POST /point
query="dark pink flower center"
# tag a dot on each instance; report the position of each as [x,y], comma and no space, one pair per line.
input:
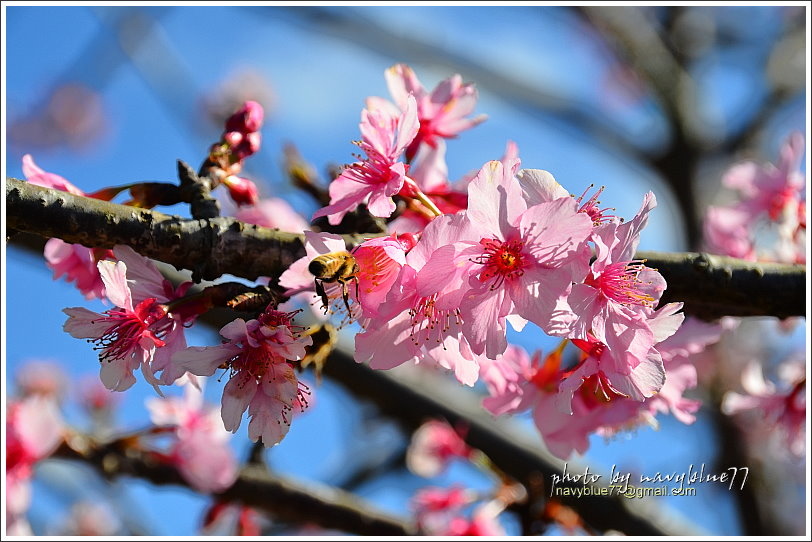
[619,282]
[128,328]
[502,260]
[375,267]
[547,376]
[596,390]
[779,201]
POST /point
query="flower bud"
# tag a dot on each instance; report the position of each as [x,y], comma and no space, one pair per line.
[247,119]
[241,190]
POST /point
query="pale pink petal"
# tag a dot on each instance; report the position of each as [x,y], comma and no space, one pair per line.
[628,233]
[402,82]
[204,360]
[39,425]
[236,330]
[539,186]
[483,324]
[495,198]
[117,374]
[270,411]
[143,277]
[114,276]
[84,324]
[345,194]
[388,346]
[540,296]
[666,321]
[380,204]
[376,103]
[36,175]
[559,227]
[644,381]
[237,395]
[407,127]
[430,171]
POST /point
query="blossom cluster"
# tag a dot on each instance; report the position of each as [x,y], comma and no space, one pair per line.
[770,204]
[503,245]
[506,245]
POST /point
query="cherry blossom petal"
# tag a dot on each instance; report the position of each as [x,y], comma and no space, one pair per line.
[539,186]
[238,393]
[114,276]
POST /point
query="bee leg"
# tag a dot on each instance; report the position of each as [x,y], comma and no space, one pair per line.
[320,292]
[345,294]
[357,296]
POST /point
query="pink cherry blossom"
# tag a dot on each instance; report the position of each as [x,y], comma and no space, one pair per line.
[34,429]
[442,113]
[726,231]
[419,320]
[141,331]
[379,261]
[433,446]
[771,198]
[379,177]
[200,447]
[614,300]
[517,382]
[258,356]
[147,282]
[124,335]
[784,410]
[514,259]
[769,189]
[433,507]
[625,375]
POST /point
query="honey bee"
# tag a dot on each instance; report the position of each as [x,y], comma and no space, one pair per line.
[334,267]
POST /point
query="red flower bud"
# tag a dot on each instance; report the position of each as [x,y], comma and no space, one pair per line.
[247,119]
[241,190]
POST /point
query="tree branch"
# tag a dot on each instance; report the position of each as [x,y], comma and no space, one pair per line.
[209,247]
[285,499]
[710,286]
[412,395]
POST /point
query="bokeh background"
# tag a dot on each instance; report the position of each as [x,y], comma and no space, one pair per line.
[654,98]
